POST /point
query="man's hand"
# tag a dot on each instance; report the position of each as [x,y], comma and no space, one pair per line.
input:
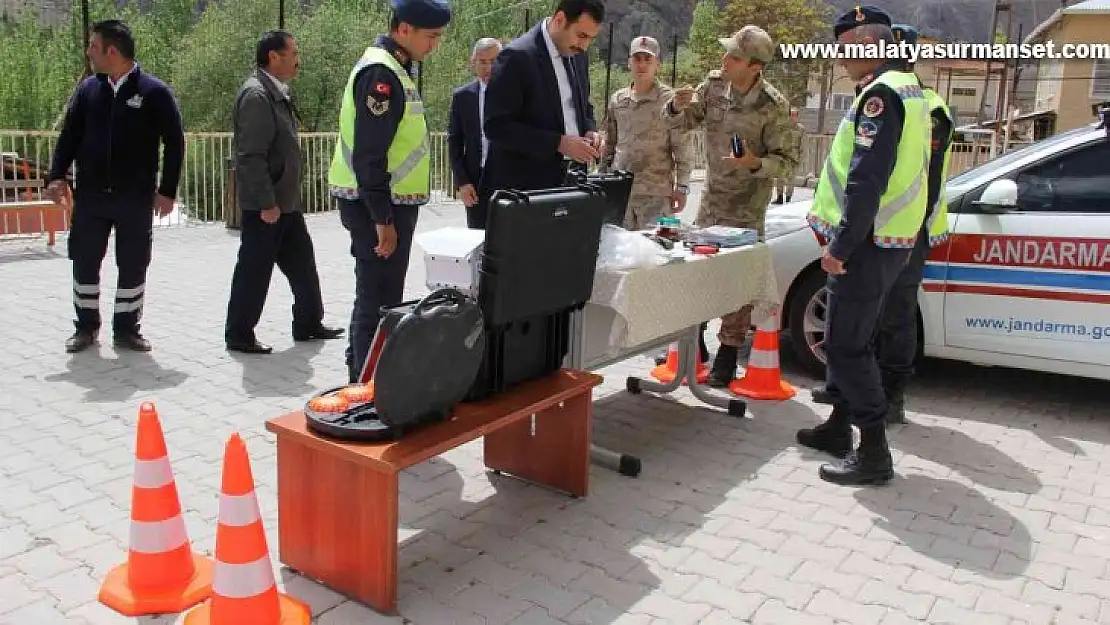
[163,205]
[578,149]
[748,161]
[683,96]
[595,140]
[57,191]
[678,201]
[469,195]
[387,240]
[831,265]
[271,215]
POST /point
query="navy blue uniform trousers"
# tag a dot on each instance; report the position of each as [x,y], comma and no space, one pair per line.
[95,215]
[855,305]
[378,281]
[288,245]
[897,346]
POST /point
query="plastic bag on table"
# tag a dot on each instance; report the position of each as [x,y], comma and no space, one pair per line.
[621,249]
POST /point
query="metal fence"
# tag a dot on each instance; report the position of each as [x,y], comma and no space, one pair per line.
[209,194]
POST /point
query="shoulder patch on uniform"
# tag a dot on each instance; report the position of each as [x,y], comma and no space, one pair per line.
[377,107]
[862,141]
[873,107]
[382,88]
[868,128]
[714,74]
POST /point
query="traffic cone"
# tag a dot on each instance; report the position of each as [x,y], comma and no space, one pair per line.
[244,591]
[162,573]
[762,377]
[666,372]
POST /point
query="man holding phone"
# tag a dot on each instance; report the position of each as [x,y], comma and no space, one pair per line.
[750,141]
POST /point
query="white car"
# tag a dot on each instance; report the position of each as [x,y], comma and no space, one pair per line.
[1024,280]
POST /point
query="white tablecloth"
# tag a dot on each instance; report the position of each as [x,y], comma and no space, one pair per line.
[652,302]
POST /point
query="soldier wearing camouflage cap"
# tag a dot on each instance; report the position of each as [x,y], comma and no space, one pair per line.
[639,140]
[736,100]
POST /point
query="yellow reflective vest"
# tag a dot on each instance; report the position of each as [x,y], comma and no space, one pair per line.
[938,220]
[902,206]
[408,160]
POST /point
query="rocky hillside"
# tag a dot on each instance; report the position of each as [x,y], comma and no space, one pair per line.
[958,20]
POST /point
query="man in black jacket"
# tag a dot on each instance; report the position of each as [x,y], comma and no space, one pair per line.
[115,122]
[268,183]
[539,119]
[466,136]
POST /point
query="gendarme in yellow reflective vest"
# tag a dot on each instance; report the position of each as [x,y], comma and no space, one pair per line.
[408,159]
[938,221]
[902,206]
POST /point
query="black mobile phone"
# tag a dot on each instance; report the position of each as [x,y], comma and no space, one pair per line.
[737,146]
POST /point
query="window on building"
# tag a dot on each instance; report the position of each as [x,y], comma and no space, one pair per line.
[964,91]
[840,101]
[1100,79]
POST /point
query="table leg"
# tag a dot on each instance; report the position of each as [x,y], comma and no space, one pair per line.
[687,368]
[550,448]
[337,523]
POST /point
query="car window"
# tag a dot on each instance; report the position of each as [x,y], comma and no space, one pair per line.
[1076,182]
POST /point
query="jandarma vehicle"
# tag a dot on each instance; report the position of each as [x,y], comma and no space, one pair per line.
[1024,279]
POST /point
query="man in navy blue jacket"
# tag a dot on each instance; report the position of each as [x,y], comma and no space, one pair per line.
[115,122]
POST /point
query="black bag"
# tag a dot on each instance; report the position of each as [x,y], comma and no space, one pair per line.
[615,186]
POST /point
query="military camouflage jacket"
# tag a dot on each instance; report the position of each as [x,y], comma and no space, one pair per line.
[761,118]
[639,138]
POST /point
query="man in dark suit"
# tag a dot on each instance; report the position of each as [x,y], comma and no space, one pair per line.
[466,137]
[268,185]
[539,119]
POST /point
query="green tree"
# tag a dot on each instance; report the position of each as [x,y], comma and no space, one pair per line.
[705,29]
[787,21]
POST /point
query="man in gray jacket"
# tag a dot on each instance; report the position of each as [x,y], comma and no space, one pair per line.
[268,184]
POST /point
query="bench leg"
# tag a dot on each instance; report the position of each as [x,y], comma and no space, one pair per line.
[552,448]
[337,524]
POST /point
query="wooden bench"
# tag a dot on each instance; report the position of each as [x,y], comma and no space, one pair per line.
[29,216]
[338,501]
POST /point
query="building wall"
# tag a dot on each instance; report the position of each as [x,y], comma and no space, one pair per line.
[1068,86]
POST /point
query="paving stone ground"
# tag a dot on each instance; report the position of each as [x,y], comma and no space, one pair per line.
[1000,512]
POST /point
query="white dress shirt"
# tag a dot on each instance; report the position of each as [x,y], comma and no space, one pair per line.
[566,94]
[284,88]
[482,119]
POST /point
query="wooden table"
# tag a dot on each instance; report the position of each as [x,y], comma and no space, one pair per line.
[337,501]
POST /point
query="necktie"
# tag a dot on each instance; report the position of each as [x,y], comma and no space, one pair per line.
[576,93]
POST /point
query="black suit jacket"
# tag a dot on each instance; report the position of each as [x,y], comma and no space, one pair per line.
[464,135]
[524,115]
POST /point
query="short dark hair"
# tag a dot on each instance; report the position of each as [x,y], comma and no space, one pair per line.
[116,34]
[271,41]
[574,9]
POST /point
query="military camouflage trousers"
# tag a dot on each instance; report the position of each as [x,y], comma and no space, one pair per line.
[718,212]
[784,187]
[645,210]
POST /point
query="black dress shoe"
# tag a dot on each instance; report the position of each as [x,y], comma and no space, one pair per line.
[132,341]
[249,347]
[821,395]
[320,333]
[79,342]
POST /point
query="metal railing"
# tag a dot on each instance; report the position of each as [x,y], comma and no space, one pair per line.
[206,192]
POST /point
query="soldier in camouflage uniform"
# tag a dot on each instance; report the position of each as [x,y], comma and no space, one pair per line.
[784,187]
[737,100]
[640,140]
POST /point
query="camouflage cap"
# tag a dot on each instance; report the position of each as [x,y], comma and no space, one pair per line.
[644,44]
[750,42]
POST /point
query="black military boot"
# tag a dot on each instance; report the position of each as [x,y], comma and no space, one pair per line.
[895,390]
[724,367]
[832,437]
[80,341]
[871,464]
[821,395]
[778,200]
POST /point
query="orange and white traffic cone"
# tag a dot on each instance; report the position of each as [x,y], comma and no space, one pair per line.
[162,573]
[762,377]
[244,591]
[667,371]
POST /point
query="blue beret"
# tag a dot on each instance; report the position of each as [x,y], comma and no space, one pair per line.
[860,15]
[422,13]
[905,32]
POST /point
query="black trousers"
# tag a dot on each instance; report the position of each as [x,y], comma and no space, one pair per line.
[477,215]
[94,217]
[855,304]
[898,328]
[379,282]
[288,245]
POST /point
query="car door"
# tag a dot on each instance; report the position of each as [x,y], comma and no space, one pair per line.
[1034,280]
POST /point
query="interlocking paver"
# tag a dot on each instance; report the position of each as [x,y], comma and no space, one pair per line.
[1000,513]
